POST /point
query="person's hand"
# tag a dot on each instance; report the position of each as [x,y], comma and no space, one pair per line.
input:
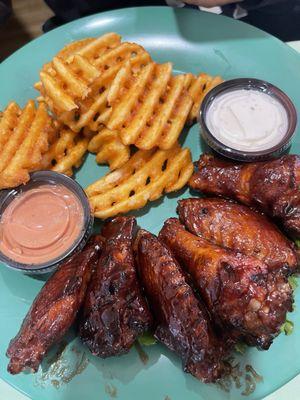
[210,3]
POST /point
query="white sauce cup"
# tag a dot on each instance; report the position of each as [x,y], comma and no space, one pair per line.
[274,150]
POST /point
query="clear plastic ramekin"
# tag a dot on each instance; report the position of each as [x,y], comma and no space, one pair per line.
[248,84]
[50,178]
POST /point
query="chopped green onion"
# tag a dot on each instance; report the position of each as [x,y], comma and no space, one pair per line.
[147,339]
[287,327]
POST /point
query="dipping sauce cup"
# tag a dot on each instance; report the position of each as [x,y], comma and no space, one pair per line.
[43,222]
[247,120]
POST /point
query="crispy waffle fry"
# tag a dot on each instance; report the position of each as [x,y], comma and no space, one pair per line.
[95,111]
[90,48]
[75,84]
[149,108]
[63,84]
[68,76]
[23,141]
[145,177]
[198,87]
[109,149]
[66,152]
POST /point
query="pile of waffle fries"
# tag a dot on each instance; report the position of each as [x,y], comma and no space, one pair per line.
[110,98]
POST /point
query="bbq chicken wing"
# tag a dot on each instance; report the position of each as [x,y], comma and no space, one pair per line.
[239,228]
[238,290]
[53,310]
[114,311]
[271,186]
[183,324]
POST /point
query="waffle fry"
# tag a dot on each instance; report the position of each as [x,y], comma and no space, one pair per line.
[66,152]
[63,84]
[95,110]
[149,108]
[90,48]
[23,140]
[68,76]
[75,84]
[198,87]
[109,149]
[145,177]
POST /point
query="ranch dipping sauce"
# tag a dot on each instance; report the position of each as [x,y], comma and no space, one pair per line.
[40,224]
[247,120]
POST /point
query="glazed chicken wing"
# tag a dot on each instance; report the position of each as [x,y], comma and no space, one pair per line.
[271,186]
[237,227]
[182,322]
[54,309]
[238,290]
[114,311]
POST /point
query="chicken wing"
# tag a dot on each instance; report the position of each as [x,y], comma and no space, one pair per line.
[237,227]
[53,310]
[183,324]
[114,311]
[237,289]
[271,186]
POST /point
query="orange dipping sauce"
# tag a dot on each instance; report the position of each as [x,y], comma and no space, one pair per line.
[41,224]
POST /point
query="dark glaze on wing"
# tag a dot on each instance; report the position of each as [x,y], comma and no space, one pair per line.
[237,227]
[53,310]
[271,186]
[114,311]
[182,322]
[237,289]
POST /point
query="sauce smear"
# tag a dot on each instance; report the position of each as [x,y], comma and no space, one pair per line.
[40,224]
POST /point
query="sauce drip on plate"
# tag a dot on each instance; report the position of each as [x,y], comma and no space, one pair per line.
[40,224]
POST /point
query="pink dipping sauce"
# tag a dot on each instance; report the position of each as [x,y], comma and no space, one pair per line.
[40,224]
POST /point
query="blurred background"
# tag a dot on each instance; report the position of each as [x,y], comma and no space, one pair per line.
[23,25]
[23,20]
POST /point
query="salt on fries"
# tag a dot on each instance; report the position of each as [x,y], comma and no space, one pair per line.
[198,87]
[66,152]
[145,177]
[109,148]
[149,107]
[23,141]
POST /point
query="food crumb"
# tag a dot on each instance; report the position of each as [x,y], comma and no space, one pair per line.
[111,390]
[55,383]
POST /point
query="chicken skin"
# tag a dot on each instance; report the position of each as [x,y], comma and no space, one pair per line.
[182,322]
[239,228]
[114,311]
[53,310]
[237,289]
[271,186]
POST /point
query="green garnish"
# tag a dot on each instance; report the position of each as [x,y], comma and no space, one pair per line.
[293,282]
[240,347]
[147,339]
[287,327]
[297,242]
